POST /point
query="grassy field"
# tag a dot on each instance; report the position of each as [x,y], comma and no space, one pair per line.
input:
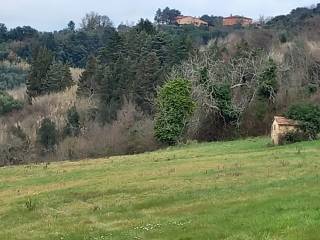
[239,190]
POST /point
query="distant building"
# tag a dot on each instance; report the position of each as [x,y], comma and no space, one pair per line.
[187,20]
[280,127]
[237,20]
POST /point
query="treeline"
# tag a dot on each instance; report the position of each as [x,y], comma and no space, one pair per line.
[296,18]
[74,45]
[131,66]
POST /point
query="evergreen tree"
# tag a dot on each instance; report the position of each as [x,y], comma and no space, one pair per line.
[54,77]
[37,79]
[71,26]
[67,80]
[48,134]
[58,78]
[3,32]
[146,25]
[87,85]
[113,49]
[109,98]
[167,16]
[73,123]
[158,18]
[147,79]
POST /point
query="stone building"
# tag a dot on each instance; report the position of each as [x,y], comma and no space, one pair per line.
[280,127]
[187,20]
[237,20]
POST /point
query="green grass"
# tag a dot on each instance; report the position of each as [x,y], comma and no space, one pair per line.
[239,190]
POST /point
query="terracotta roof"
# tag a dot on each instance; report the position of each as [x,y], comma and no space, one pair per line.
[286,122]
[233,17]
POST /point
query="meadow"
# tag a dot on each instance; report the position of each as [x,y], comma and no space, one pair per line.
[239,190]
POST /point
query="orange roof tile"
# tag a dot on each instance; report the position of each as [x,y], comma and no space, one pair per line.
[286,122]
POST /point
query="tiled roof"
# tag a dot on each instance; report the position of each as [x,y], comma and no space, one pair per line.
[286,122]
[237,17]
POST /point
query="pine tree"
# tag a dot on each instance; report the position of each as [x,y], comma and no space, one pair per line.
[87,84]
[72,127]
[147,78]
[48,135]
[110,92]
[111,52]
[54,76]
[58,78]
[36,81]
[67,80]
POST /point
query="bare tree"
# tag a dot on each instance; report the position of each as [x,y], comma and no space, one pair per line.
[94,21]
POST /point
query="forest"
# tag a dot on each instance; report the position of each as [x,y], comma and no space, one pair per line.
[99,90]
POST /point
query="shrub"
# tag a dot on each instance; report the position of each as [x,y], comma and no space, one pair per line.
[12,75]
[48,134]
[8,103]
[174,106]
[283,37]
[132,132]
[309,116]
[293,137]
[72,128]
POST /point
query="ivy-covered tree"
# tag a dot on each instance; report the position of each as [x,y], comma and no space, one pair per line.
[267,80]
[174,106]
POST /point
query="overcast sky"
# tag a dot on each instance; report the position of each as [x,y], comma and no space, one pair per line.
[47,15]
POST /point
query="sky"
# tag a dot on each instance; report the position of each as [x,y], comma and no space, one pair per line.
[49,15]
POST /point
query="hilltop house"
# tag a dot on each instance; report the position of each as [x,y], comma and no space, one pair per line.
[237,20]
[188,20]
[280,127]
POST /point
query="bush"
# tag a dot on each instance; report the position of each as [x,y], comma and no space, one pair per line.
[309,116]
[174,106]
[48,135]
[72,128]
[131,133]
[12,75]
[293,137]
[8,103]
[283,37]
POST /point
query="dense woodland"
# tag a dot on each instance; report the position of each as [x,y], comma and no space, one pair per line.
[101,90]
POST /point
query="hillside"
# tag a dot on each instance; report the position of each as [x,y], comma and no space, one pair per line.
[232,190]
[93,89]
